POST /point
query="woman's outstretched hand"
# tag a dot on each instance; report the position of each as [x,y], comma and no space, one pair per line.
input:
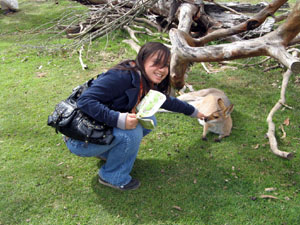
[131,121]
[200,116]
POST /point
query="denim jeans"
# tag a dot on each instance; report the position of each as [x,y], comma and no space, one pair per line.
[120,154]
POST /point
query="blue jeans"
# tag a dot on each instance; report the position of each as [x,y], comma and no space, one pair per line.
[120,154]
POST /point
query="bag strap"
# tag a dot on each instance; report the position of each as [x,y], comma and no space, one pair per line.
[139,96]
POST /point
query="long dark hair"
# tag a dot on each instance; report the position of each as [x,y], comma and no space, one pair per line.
[162,60]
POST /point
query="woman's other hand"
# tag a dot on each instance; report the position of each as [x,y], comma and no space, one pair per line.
[131,121]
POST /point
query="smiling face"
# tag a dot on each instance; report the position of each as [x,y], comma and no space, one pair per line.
[155,69]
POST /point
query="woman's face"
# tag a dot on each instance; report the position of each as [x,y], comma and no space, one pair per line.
[155,73]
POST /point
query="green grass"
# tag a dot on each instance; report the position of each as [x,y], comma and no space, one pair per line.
[212,183]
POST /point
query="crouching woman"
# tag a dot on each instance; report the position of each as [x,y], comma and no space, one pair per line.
[112,99]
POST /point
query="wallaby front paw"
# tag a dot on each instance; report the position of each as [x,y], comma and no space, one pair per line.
[218,140]
[204,138]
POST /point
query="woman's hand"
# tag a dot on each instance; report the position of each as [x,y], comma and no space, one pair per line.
[200,116]
[131,121]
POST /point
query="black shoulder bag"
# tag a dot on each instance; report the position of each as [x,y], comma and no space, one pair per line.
[70,121]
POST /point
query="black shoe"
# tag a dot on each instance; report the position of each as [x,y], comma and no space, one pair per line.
[132,185]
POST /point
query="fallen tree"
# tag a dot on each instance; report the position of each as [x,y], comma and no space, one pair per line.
[105,16]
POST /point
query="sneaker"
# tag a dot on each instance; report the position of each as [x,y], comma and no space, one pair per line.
[132,185]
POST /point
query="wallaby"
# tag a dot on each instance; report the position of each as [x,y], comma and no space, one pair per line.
[216,107]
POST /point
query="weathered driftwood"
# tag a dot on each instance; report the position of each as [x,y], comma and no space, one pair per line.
[83,66]
[132,44]
[212,15]
[271,124]
[106,16]
[102,19]
[247,25]
[273,44]
[239,7]
[179,64]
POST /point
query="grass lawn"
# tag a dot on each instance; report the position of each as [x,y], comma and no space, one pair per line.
[184,179]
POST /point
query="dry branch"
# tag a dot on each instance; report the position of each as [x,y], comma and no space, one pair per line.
[227,8]
[179,65]
[187,11]
[83,66]
[271,130]
[103,19]
[107,16]
[281,17]
[185,49]
[250,24]
[131,33]
[152,24]
[283,132]
[295,41]
[133,45]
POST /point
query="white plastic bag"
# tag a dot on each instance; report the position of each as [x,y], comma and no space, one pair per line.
[9,4]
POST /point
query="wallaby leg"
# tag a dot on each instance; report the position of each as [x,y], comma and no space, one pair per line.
[226,130]
[219,139]
[205,131]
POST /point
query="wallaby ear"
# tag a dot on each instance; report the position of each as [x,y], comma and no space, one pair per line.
[228,110]
[221,104]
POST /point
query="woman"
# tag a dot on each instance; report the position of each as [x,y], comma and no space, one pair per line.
[112,99]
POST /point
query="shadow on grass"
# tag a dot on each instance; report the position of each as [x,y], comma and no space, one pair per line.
[202,180]
[170,190]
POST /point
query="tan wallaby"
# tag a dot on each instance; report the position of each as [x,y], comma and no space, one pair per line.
[216,107]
